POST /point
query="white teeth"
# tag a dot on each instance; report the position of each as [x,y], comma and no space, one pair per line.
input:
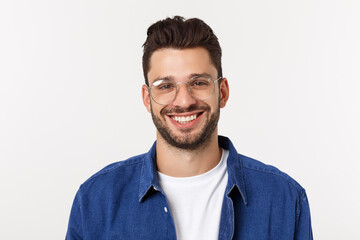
[183,119]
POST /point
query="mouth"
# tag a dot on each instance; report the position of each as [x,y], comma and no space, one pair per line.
[185,119]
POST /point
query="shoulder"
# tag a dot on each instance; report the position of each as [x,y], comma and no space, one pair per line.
[257,172]
[119,166]
[115,174]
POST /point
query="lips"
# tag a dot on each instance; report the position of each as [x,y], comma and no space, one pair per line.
[184,119]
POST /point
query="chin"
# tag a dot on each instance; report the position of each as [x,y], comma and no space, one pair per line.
[186,139]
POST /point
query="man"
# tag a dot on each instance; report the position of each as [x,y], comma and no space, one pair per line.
[192,184]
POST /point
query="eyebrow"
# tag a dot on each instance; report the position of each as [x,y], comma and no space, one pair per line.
[200,75]
[166,78]
[193,75]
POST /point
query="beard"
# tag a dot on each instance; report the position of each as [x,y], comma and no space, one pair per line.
[189,141]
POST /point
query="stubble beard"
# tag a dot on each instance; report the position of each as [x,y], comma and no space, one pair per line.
[189,142]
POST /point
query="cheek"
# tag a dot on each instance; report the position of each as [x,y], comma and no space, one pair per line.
[155,109]
[216,102]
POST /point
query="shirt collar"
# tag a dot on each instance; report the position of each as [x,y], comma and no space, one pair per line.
[235,170]
[149,179]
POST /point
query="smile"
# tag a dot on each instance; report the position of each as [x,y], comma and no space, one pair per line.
[184,119]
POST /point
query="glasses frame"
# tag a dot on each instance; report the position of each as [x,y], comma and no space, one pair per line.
[188,88]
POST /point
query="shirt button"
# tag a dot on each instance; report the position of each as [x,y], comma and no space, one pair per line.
[165,209]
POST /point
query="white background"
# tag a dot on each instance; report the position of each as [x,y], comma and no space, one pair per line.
[70,102]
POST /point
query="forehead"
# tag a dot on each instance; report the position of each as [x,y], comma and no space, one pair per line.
[180,63]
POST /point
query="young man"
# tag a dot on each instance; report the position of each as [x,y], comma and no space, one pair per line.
[192,184]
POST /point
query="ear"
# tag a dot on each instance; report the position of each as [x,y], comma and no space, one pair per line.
[224,92]
[146,97]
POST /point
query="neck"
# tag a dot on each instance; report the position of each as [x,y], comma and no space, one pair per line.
[177,162]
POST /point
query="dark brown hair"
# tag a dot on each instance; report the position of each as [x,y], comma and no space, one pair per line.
[179,33]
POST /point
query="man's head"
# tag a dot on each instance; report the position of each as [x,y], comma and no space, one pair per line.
[179,33]
[177,53]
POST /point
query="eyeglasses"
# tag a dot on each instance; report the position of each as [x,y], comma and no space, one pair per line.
[164,91]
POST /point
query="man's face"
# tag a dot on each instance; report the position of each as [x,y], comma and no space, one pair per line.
[201,117]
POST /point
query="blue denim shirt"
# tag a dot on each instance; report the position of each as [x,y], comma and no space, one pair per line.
[125,201]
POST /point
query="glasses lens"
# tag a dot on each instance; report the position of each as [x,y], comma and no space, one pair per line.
[163,91]
[201,88]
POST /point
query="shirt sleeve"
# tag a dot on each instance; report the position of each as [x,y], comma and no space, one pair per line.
[74,231]
[303,229]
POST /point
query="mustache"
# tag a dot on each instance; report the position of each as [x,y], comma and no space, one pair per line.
[191,108]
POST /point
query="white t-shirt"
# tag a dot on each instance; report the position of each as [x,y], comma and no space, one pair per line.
[196,202]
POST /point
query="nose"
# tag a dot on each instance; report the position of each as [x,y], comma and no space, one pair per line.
[183,97]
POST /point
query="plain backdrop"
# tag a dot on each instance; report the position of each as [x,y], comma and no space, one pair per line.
[70,99]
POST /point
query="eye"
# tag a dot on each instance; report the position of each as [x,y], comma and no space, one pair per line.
[199,83]
[163,85]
